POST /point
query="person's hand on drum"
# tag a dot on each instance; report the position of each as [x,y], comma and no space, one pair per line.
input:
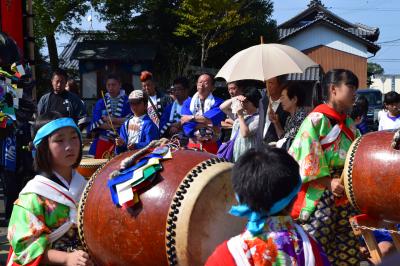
[78,258]
[119,142]
[336,187]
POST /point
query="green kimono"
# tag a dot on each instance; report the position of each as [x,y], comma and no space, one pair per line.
[35,217]
[320,153]
[316,162]
[40,222]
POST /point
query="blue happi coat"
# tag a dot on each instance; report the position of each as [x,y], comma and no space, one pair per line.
[149,132]
[99,110]
[214,114]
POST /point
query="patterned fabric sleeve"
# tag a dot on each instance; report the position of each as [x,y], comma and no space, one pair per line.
[97,114]
[164,121]
[306,148]
[27,231]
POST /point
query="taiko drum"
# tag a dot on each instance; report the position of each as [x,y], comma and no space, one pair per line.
[372,176]
[180,219]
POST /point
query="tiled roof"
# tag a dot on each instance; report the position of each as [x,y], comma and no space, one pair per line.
[320,18]
[66,61]
[318,13]
[113,50]
[313,73]
[65,57]
[366,32]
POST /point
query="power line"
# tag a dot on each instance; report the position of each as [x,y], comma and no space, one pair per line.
[367,9]
[395,40]
[396,60]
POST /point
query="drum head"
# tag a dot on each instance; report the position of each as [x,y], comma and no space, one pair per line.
[202,218]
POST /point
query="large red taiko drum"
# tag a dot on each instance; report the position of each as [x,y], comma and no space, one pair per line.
[180,219]
[372,176]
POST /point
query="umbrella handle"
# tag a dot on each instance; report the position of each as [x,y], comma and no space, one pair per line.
[268,95]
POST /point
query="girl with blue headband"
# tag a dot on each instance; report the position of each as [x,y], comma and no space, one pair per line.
[42,228]
[266,184]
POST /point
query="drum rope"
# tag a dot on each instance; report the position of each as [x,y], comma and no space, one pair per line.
[177,202]
[129,161]
[351,196]
[81,209]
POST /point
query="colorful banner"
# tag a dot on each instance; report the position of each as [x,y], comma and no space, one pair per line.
[12,20]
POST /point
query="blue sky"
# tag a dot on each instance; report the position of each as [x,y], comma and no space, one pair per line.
[383,14]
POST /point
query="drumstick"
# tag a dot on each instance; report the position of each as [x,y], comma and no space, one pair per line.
[109,117]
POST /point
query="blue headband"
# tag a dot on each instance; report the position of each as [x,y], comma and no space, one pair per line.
[52,126]
[256,220]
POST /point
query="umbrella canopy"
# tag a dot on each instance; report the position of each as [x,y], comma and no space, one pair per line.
[264,61]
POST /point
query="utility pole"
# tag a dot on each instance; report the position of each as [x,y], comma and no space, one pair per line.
[31,44]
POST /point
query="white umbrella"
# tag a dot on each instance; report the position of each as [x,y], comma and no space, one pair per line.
[264,61]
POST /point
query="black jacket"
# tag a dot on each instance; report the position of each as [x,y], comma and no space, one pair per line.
[77,109]
[262,109]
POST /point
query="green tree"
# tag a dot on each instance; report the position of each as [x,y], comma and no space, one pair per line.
[157,21]
[246,35]
[373,69]
[153,21]
[53,16]
[210,22]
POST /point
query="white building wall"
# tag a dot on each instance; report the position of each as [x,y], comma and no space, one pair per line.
[323,35]
[89,85]
[384,83]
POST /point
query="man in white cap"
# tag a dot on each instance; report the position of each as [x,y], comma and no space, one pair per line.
[139,130]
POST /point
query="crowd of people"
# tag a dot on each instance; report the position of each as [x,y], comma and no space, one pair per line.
[288,162]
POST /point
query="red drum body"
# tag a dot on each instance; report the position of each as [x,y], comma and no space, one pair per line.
[180,219]
[372,176]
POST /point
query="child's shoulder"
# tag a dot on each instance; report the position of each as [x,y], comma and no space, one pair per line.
[30,201]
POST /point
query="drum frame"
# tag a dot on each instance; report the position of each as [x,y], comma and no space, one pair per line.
[176,243]
[349,163]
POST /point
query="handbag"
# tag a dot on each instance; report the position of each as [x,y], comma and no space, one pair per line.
[225,151]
